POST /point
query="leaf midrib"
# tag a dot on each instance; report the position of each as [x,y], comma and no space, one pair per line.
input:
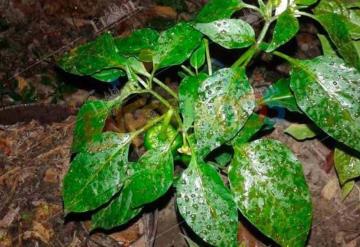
[92,178]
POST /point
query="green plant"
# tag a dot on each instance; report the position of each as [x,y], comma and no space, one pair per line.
[213,109]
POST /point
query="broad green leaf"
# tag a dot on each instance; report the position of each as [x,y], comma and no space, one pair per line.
[354,26]
[207,205]
[271,192]
[225,102]
[328,92]
[117,213]
[188,94]
[229,33]
[347,166]
[350,14]
[131,66]
[253,125]
[347,188]
[218,9]
[197,59]
[153,176]
[109,75]
[339,33]
[98,58]
[286,28]
[301,131]
[326,46]
[139,41]
[96,174]
[280,95]
[305,2]
[343,26]
[90,122]
[175,45]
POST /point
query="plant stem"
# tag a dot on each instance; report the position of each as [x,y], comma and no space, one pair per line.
[249,6]
[263,32]
[187,70]
[286,57]
[160,98]
[168,105]
[151,76]
[166,88]
[208,57]
[142,82]
[162,85]
[246,57]
[148,125]
[307,15]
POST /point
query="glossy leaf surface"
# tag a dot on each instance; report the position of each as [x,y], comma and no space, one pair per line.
[301,131]
[328,91]
[152,176]
[347,166]
[343,26]
[340,35]
[139,40]
[97,174]
[345,9]
[117,213]
[175,45]
[207,205]
[225,102]
[97,58]
[280,208]
[218,9]
[90,122]
[229,33]
[188,94]
[280,95]
[286,28]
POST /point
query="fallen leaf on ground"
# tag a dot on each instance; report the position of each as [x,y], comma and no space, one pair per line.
[40,232]
[330,189]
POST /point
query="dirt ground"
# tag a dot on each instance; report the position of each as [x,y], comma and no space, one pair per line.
[35,139]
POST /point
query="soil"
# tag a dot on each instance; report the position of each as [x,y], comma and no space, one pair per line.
[35,139]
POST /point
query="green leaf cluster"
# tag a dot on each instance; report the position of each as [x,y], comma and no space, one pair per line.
[341,19]
[213,124]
